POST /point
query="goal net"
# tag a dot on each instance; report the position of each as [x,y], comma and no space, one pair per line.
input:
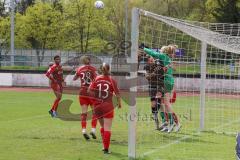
[206,76]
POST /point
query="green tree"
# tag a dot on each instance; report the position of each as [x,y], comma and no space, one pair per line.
[22,6]
[224,11]
[85,27]
[2,8]
[38,29]
[4,36]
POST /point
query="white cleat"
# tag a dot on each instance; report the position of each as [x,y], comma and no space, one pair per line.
[165,129]
[178,127]
[165,124]
[170,128]
[54,113]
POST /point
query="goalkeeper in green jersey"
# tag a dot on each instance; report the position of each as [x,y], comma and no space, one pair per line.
[166,55]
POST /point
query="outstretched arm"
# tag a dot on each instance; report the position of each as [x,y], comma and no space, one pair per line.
[154,54]
[158,55]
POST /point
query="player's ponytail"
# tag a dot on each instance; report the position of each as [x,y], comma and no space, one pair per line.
[172,49]
[165,49]
[105,68]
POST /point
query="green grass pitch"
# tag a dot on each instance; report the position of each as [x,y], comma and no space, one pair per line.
[27,132]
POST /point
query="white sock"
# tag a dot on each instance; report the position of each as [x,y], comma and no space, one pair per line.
[93,130]
[83,130]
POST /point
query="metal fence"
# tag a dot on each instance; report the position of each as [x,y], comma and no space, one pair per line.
[31,58]
[24,57]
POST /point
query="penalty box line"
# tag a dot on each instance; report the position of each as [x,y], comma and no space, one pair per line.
[183,138]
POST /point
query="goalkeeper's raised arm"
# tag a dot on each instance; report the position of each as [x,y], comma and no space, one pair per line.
[158,55]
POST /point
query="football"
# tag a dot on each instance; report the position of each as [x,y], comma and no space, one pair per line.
[99,4]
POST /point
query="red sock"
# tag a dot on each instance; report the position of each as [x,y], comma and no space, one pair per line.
[83,120]
[94,121]
[166,116]
[55,104]
[174,97]
[102,134]
[175,118]
[106,141]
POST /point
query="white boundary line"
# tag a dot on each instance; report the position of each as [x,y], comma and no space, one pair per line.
[226,124]
[27,118]
[183,138]
[165,146]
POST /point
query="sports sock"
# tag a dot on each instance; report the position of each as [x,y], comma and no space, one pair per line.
[175,118]
[170,118]
[166,116]
[55,104]
[93,130]
[174,97]
[83,120]
[94,121]
[163,117]
[107,136]
[84,130]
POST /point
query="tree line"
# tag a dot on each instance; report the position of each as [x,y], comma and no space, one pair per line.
[77,25]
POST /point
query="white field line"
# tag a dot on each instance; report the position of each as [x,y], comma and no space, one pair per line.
[26,118]
[183,138]
[165,146]
[226,124]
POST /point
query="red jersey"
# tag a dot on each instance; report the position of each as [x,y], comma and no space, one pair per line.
[57,73]
[104,87]
[87,74]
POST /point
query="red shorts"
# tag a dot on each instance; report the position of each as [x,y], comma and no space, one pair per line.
[104,110]
[85,101]
[57,87]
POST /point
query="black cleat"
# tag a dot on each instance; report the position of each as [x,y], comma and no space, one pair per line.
[106,151]
[93,135]
[86,136]
[51,113]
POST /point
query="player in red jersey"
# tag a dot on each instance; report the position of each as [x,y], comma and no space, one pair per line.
[102,90]
[55,75]
[87,74]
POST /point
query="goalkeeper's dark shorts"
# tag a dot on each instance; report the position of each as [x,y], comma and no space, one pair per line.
[153,90]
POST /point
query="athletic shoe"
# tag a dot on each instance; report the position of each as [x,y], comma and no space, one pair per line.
[93,135]
[178,127]
[165,124]
[106,151]
[165,129]
[51,113]
[86,136]
[170,128]
[54,113]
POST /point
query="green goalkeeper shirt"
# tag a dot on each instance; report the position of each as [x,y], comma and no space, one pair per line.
[168,76]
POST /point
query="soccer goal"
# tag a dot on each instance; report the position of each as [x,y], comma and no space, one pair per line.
[207,72]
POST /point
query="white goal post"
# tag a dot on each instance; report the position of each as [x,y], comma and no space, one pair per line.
[211,37]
